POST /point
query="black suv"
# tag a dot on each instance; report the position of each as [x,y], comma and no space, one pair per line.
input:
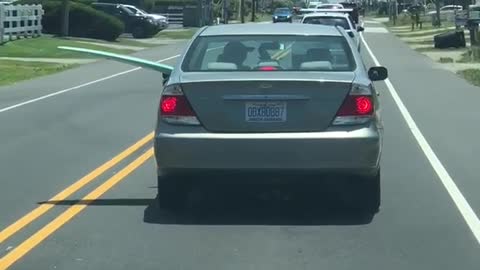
[139,26]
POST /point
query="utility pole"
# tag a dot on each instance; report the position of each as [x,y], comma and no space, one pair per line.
[437,14]
[239,11]
[254,6]
[65,17]
[225,11]
[242,11]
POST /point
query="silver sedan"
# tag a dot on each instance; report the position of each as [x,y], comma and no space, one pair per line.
[269,98]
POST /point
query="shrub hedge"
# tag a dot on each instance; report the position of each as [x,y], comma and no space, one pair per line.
[84,21]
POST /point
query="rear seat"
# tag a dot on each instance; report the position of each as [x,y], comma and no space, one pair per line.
[221,66]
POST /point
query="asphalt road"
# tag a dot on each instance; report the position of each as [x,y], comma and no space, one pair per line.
[110,220]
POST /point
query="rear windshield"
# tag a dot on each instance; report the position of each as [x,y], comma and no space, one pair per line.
[272,53]
[335,21]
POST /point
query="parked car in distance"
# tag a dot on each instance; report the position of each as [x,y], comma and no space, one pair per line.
[352,11]
[160,20]
[282,15]
[330,6]
[314,4]
[447,9]
[139,25]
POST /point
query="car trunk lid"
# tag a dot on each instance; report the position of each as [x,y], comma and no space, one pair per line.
[266,101]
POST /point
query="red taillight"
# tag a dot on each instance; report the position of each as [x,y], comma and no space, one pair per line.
[176,105]
[356,105]
[364,105]
[169,104]
[267,68]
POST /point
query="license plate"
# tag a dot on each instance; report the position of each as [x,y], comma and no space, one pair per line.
[266,112]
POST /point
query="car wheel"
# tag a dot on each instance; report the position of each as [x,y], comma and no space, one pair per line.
[138,32]
[172,192]
[371,194]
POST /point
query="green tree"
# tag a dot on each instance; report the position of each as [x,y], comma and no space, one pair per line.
[282,3]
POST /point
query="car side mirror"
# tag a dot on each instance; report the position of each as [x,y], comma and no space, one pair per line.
[165,78]
[377,73]
[360,29]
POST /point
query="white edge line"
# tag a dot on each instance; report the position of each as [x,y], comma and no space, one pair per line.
[462,204]
[78,86]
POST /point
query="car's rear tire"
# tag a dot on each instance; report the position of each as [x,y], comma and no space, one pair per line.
[138,32]
[371,194]
[172,192]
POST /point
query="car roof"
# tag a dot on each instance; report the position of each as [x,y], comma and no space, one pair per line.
[270,29]
[327,14]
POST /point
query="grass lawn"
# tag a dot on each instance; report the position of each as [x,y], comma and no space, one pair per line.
[119,41]
[471,75]
[399,28]
[421,42]
[131,42]
[263,17]
[433,49]
[470,56]
[427,26]
[46,47]
[420,33]
[14,71]
[177,34]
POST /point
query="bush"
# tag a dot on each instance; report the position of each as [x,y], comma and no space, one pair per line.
[84,21]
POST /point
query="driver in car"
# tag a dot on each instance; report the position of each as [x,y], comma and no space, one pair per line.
[235,52]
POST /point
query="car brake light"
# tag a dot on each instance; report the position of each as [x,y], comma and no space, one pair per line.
[168,104]
[175,108]
[267,68]
[176,105]
[357,108]
[356,105]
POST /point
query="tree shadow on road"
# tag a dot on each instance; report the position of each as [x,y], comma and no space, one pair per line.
[257,205]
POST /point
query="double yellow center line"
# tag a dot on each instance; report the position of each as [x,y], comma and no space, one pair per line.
[20,251]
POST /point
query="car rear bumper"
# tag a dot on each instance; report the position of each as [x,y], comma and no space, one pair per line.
[349,152]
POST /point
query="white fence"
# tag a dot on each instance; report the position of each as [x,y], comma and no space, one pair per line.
[20,21]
